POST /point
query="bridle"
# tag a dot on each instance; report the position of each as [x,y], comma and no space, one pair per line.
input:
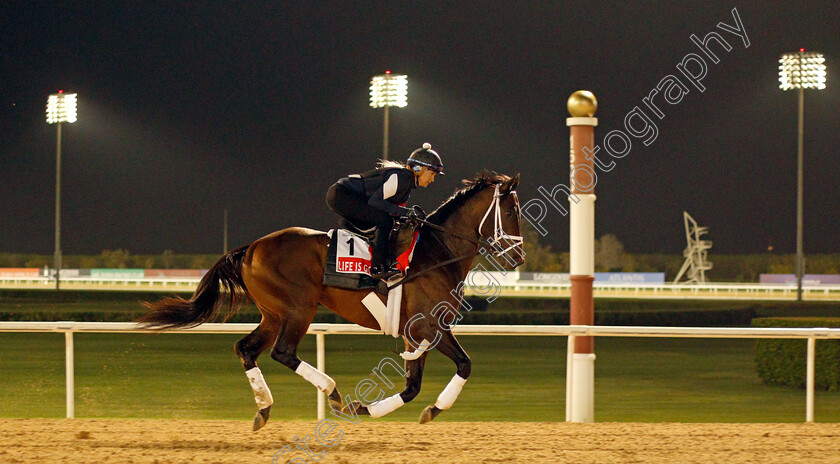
[495,243]
[499,238]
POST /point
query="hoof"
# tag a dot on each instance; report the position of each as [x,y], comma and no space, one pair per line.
[429,414]
[335,401]
[356,406]
[261,418]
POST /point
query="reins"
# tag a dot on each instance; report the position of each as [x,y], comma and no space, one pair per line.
[478,242]
[481,242]
[436,266]
[454,259]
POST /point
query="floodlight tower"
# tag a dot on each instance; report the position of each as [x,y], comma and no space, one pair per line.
[803,70]
[61,107]
[388,90]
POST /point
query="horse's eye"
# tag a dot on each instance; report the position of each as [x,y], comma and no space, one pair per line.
[508,213]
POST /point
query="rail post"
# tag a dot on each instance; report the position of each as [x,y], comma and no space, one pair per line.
[570,368]
[809,379]
[70,373]
[320,355]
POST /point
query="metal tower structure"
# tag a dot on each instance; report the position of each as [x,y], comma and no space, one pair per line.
[695,252]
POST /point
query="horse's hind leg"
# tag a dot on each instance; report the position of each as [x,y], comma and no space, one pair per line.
[248,349]
[285,352]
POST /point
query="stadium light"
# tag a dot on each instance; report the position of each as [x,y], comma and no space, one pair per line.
[61,108]
[388,90]
[802,70]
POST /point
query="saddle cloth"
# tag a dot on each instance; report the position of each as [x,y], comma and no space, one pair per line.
[348,260]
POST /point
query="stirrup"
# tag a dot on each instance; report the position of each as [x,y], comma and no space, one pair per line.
[383,272]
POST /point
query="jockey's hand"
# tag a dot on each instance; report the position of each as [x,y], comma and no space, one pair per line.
[416,212]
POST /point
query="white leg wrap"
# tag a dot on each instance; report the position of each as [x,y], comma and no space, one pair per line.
[449,394]
[412,355]
[261,392]
[385,406]
[321,381]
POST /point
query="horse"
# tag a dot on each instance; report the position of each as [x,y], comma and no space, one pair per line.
[282,274]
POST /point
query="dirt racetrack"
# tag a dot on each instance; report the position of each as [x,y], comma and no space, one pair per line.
[197,442]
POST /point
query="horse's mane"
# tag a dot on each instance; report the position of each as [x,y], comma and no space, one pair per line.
[461,196]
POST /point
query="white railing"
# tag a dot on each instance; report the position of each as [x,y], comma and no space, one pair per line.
[719,291]
[504,287]
[321,330]
[163,284]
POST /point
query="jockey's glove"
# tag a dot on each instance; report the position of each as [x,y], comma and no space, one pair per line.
[416,212]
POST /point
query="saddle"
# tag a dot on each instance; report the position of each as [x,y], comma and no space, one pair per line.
[350,227]
[349,255]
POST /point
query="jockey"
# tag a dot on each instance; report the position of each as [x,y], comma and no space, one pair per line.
[374,198]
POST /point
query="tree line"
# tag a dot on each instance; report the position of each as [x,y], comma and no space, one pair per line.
[610,256]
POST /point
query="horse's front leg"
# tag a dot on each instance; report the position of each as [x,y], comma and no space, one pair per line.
[413,379]
[450,347]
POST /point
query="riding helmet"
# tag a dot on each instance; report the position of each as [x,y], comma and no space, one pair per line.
[426,157]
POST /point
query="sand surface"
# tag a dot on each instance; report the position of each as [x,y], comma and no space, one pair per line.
[197,442]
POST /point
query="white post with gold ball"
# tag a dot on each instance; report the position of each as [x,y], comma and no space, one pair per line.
[580,396]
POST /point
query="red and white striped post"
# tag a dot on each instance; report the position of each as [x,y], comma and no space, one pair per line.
[581,385]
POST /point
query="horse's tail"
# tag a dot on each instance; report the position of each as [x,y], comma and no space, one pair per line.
[222,283]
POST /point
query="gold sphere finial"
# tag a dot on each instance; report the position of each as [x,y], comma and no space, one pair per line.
[582,104]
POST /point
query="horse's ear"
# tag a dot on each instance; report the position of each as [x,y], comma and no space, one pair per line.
[510,185]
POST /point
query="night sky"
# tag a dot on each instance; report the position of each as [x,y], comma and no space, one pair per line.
[189,108]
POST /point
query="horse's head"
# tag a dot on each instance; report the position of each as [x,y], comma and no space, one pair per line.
[500,223]
[486,208]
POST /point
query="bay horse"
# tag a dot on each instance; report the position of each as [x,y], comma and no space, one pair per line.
[282,274]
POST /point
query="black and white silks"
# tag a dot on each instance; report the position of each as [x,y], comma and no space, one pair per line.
[385,189]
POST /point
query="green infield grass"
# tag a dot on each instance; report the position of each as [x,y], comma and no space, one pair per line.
[197,376]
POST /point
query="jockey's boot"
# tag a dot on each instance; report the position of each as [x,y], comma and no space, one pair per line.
[378,268]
